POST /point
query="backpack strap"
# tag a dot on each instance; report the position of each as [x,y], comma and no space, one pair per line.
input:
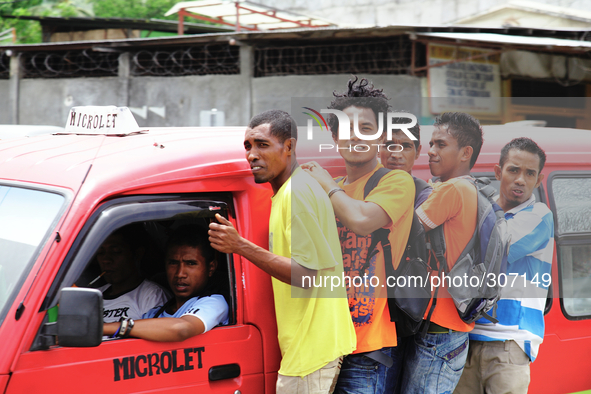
[420,185]
[373,181]
[381,234]
[163,307]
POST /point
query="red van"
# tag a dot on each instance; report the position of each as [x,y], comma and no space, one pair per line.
[62,195]
[563,362]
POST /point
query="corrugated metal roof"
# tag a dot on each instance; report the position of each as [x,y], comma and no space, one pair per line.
[511,40]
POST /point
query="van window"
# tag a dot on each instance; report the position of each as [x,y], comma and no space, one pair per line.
[571,199]
[158,216]
[27,216]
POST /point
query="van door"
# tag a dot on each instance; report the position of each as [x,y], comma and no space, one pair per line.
[560,367]
[226,359]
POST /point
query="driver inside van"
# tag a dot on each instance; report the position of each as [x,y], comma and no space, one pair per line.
[127,294]
[198,304]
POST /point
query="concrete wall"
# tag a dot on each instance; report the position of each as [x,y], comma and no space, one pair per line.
[185,97]
[48,101]
[166,101]
[178,101]
[5,102]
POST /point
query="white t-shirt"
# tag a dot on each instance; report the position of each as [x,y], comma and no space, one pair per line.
[134,303]
[211,310]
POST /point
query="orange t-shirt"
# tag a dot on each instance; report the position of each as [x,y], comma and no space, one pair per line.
[452,204]
[369,304]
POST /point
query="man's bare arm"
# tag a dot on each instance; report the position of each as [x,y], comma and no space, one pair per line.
[361,217]
[224,238]
[165,329]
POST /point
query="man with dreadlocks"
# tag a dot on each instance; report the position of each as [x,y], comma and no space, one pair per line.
[388,206]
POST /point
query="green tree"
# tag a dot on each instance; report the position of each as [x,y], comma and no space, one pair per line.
[26,31]
[136,9]
[30,31]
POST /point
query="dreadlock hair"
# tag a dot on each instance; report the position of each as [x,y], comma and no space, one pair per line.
[363,95]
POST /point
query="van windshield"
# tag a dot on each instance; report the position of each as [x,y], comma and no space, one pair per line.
[26,217]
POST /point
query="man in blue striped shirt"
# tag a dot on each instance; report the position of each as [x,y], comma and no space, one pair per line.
[499,354]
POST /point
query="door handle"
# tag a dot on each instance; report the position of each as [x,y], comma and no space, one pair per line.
[227,371]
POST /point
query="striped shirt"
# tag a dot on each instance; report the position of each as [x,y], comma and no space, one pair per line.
[521,308]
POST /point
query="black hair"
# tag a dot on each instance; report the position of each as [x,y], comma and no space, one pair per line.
[363,95]
[197,237]
[465,129]
[282,124]
[133,235]
[524,144]
[193,236]
[415,130]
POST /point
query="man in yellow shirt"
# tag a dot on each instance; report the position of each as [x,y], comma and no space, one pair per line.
[314,325]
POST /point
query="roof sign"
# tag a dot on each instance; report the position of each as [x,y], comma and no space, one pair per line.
[101,120]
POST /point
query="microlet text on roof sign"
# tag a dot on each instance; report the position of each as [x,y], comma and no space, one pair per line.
[101,120]
[92,122]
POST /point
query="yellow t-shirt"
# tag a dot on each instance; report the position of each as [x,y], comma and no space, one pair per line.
[454,205]
[314,325]
[368,304]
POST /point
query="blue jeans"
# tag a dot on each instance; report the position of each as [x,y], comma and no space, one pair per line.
[435,363]
[363,375]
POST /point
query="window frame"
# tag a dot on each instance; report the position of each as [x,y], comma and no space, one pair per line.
[51,229]
[121,211]
[567,239]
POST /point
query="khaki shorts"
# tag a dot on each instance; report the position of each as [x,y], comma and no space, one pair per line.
[321,381]
[495,367]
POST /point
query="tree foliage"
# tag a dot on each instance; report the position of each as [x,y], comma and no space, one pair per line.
[136,9]
[30,31]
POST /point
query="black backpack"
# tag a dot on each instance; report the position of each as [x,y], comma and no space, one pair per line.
[408,302]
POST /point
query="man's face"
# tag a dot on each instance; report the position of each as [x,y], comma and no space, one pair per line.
[268,157]
[187,271]
[116,259]
[366,149]
[445,156]
[519,177]
[399,159]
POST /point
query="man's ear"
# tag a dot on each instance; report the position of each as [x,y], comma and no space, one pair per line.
[467,152]
[290,145]
[418,152]
[213,265]
[540,179]
[498,172]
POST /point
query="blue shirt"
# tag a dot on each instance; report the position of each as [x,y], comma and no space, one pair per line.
[211,310]
[521,308]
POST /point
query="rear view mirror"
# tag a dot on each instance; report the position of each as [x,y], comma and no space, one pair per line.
[80,317]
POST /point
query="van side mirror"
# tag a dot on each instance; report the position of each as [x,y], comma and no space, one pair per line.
[80,317]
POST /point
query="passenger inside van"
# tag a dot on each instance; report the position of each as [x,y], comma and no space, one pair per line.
[198,304]
[127,294]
